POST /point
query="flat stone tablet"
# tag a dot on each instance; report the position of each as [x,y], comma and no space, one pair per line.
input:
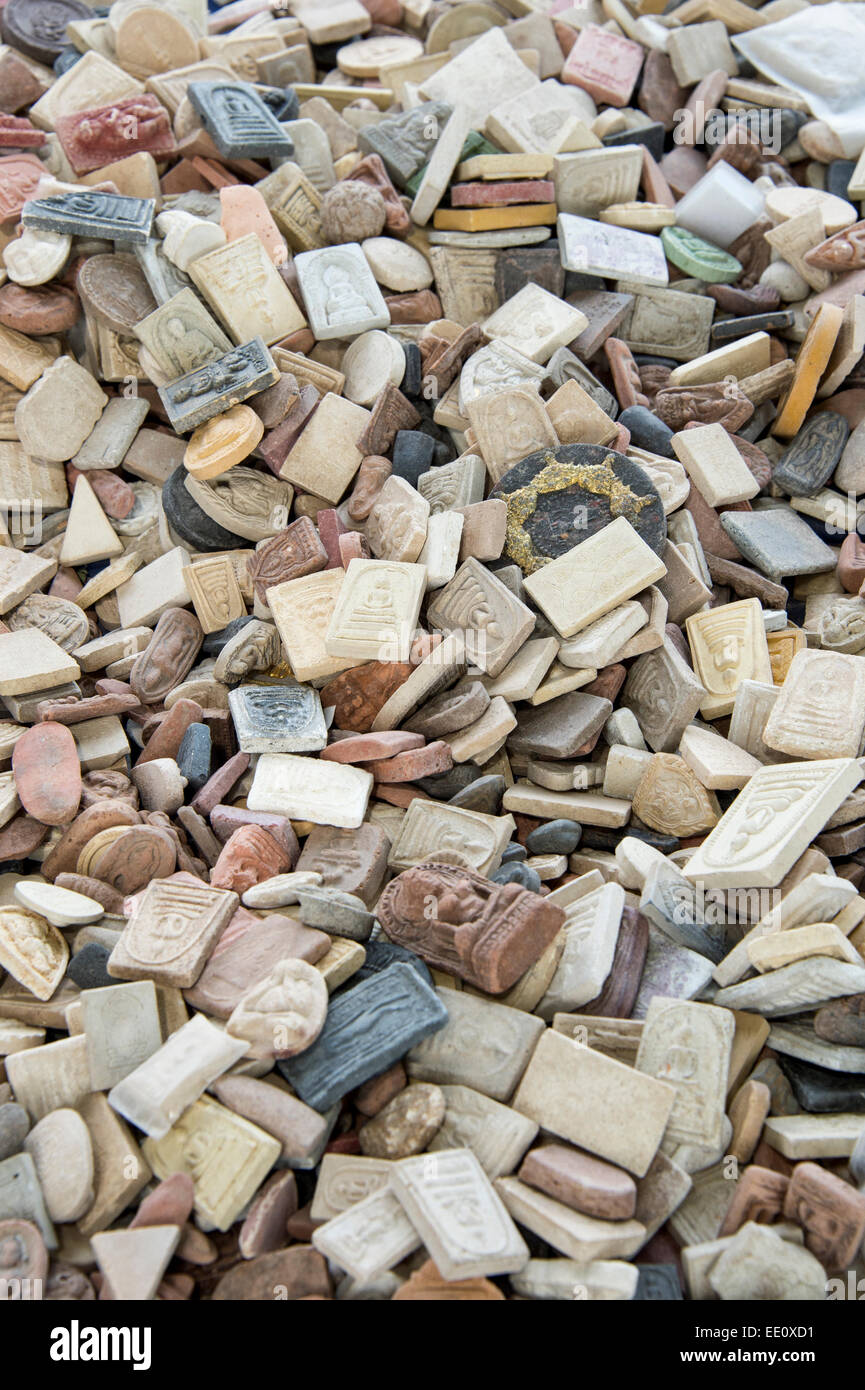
[396,527]
[238,964]
[120,1171]
[616,253]
[122,1029]
[553,323]
[811,459]
[241,126]
[172,932]
[813,1136]
[113,433]
[59,411]
[215,593]
[478,607]
[664,694]
[50,1077]
[115,288]
[486,1242]
[346,1179]
[367,1028]
[180,334]
[376,611]
[160,1089]
[292,553]
[561,1279]
[595,576]
[749,845]
[715,465]
[492,368]
[778,542]
[323,792]
[591,928]
[101,135]
[666,322]
[329,451]
[595,1102]
[673,905]
[593,179]
[302,609]
[301,1131]
[219,385]
[89,535]
[795,988]
[404,142]
[707,1033]
[227,1157]
[483,1045]
[352,861]
[133,1261]
[283,718]
[429,827]
[369,1237]
[108,215]
[340,292]
[581,1182]
[482,79]
[20,575]
[585,1239]
[728,646]
[496,1134]
[47,773]
[820,711]
[241,283]
[818,1091]
[34,952]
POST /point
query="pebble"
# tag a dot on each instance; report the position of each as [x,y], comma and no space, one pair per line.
[646,430]
[47,773]
[842,1022]
[556,837]
[14,1127]
[433,655]
[341,914]
[193,756]
[352,211]
[264,1227]
[405,1125]
[581,1182]
[89,967]
[25,1258]
[520,874]
[58,905]
[62,1153]
[785,280]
